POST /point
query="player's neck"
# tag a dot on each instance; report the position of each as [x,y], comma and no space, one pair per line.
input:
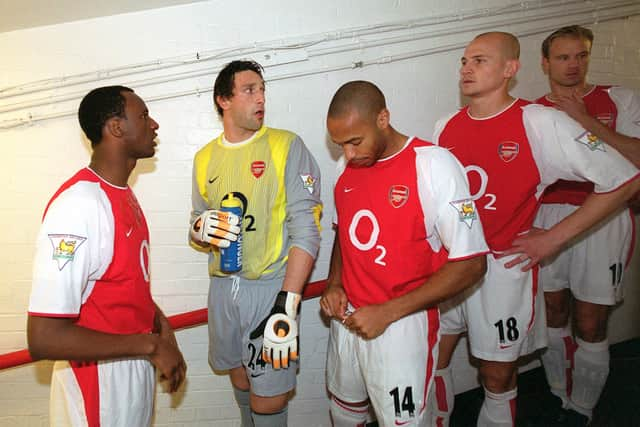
[114,172]
[396,141]
[490,105]
[234,134]
[581,89]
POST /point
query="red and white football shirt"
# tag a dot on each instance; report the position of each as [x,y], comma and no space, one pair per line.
[402,219]
[616,107]
[92,265]
[512,156]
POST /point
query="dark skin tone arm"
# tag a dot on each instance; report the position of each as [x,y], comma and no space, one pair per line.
[61,339]
[372,320]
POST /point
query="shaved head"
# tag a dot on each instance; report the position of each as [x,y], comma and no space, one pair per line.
[507,43]
[361,96]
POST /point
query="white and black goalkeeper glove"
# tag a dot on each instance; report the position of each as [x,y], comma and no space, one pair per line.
[280,330]
[216,228]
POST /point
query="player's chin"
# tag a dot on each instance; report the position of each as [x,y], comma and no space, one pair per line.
[149,153]
[467,90]
[361,163]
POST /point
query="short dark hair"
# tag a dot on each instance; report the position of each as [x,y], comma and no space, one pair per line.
[98,106]
[223,87]
[358,95]
[571,31]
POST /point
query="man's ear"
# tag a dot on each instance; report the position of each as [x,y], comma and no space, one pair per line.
[513,65]
[545,65]
[383,119]
[113,127]
[223,102]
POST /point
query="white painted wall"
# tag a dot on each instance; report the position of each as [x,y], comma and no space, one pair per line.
[39,156]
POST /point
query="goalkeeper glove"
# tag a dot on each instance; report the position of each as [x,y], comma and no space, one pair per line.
[280,330]
[216,228]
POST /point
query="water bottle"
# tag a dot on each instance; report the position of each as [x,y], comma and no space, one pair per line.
[231,257]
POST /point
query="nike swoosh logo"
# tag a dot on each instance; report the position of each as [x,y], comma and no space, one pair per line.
[257,375]
[348,190]
[128,233]
[400,423]
[211,180]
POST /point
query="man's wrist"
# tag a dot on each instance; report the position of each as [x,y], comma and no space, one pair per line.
[392,310]
[151,343]
[334,285]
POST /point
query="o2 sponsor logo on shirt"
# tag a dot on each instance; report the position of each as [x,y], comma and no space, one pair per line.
[65,247]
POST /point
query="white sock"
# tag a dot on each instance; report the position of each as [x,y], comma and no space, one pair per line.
[243,399]
[498,409]
[441,398]
[346,415]
[589,375]
[557,360]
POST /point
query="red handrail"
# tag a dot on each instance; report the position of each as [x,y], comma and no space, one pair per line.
[178,321]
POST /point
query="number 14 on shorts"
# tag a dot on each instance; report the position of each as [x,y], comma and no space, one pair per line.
[403,403]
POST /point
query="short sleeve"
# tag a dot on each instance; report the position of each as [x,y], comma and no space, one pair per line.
[628,105]
[304,206]
[564,150]
[451,217]
[439,127]
[74,248]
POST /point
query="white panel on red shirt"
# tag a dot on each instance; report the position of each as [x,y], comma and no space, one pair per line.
[616,107]
[92,258]
[512,156]
[628,104]
[402,219]
[92,265]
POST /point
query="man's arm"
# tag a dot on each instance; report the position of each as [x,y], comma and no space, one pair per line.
[540,244]
[302,186]
[451,279]
[302,180]
[299,266]
[175,373]
[561,154]
[575,108]
[61,339]
[443,189]
[334,299]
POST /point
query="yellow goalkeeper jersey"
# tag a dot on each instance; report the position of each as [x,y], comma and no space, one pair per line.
[278,181]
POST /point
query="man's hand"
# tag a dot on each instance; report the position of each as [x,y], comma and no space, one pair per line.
[334,302]
[532,248]
[216,228]
[168,359]
[369,321]
[280,331]
[573,105]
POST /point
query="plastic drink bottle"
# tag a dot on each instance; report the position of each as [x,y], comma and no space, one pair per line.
[231,257]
